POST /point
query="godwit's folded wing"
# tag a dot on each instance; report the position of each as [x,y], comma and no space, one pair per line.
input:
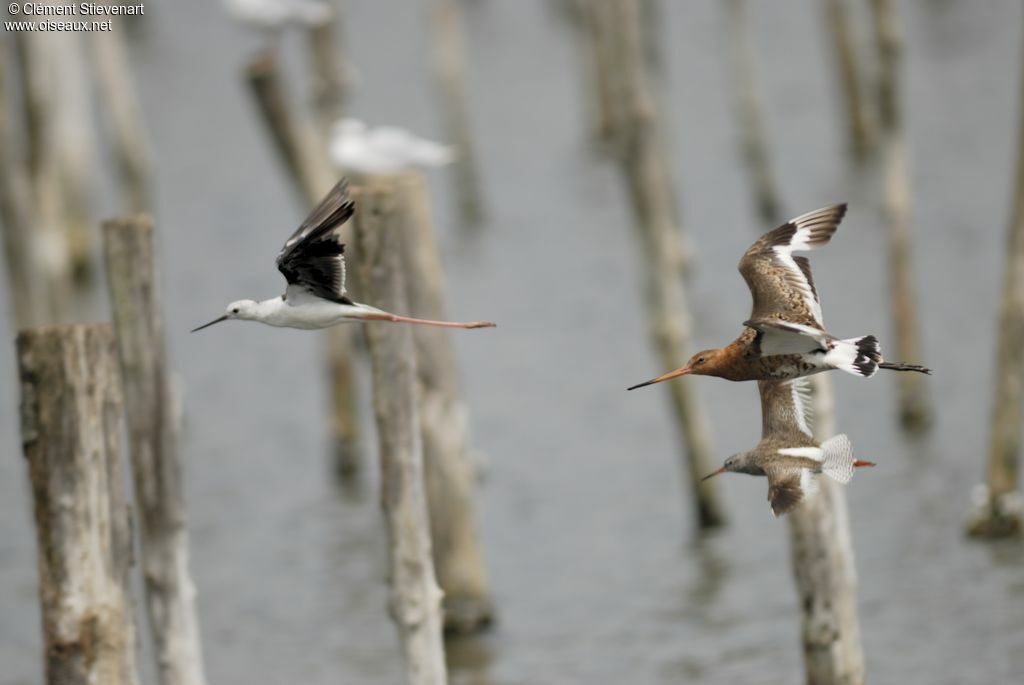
[781,284]
[313,258]
[786,337]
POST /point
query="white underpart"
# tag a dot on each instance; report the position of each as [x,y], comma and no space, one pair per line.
[786,337]
[301,309]
[356,147]
[275,14]
[814,453]
[838,462]
[808,483]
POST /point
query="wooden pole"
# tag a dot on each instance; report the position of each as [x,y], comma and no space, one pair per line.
[415,597]
[642,157]
[21,242]
[449,58]
[860,123]
[71,412]
[448,462]
[823,566]
[999,510]
[311,175]
[153,434]
[328,70]
[751,116]
[915,412]
[127,129]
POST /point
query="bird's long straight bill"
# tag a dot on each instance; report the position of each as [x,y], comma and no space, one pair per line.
[207,325]
[713,473]
[671,374]
[395,318]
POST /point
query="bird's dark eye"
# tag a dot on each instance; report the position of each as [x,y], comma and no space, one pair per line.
[235,310]
[700,360]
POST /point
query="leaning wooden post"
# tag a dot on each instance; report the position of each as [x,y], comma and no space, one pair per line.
[915,412]
[415,597]
[153,437]
[449,58]
[748,104]
[448,463]
[312,177]
[646,170]
[999,511]
[71,432]
[860,123]
[127,128]
[824,569]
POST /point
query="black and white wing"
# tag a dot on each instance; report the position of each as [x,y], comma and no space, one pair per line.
[313,258]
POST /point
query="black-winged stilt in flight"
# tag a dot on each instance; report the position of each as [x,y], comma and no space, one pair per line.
[313,262]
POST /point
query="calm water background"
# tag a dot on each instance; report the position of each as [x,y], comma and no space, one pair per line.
[596,573]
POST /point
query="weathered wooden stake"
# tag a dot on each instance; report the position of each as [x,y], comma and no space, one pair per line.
[415,596]
[824,569]
[311,174]
[71,413]
[127,129]
[449,58]
[646,170]
[915,412]
[450,475]
[999,512]
[860,123]
[751,117]
[328,70]
[153,437]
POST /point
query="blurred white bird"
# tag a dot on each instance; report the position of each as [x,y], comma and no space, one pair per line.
[274,15]
[356,147]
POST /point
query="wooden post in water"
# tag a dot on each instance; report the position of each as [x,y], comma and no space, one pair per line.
[860,123]
[915,412]
[415,596]
[449,58]
[444,419]
[328,70]
[127,129]
[297,148]
[999,511]
[824,569]
[153,435]
[751,117]
[71,412]
[646,170]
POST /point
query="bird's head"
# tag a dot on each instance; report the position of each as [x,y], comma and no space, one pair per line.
[701,364]
[241,309]
[737,463]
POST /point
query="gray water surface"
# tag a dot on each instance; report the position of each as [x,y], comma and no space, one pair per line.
[596,572]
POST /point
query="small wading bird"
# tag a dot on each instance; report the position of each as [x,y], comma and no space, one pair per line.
[787,454]
[785,337]
[313,263]
[383,149]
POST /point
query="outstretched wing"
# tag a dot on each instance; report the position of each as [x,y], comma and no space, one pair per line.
[785,407]
[313,258]
[786,487]
[781,284]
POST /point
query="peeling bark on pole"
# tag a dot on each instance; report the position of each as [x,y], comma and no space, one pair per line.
[646,169]
[450,59]
[311,174]
[915,412]
[824,569]
[448,463]
[71,412]
[415,597]
[153,434]
[999,512]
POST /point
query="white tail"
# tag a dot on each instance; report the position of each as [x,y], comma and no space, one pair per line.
[859,356]
[838,461]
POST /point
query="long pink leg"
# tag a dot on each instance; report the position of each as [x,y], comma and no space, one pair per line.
[385,316]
